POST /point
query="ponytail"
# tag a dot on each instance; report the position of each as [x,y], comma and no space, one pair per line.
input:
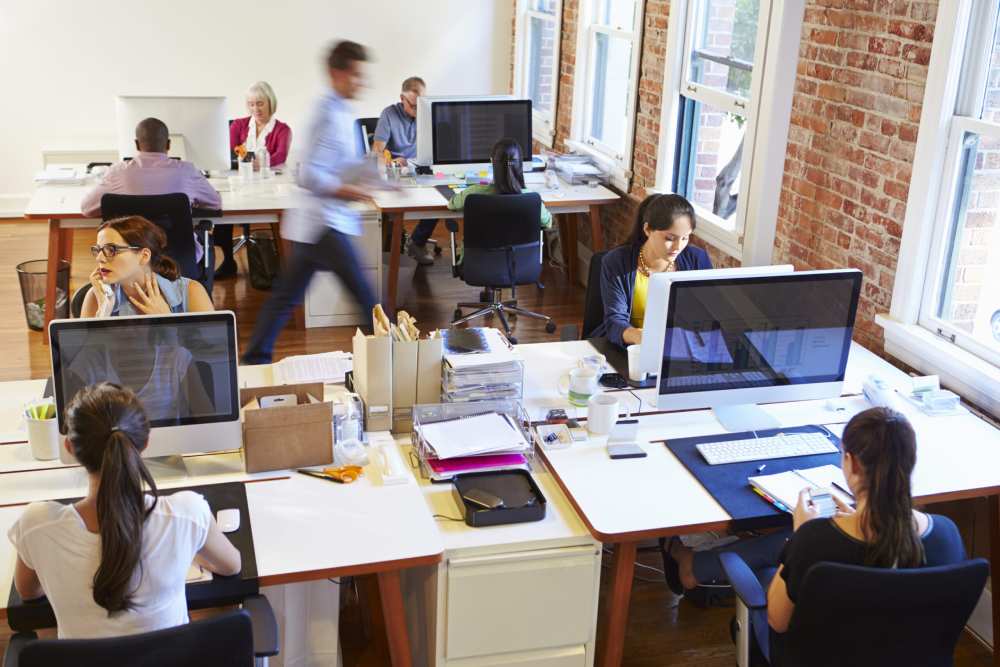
[108,430]
[166,267]
[884,445]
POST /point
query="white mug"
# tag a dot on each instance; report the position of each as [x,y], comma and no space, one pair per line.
[43,438]
[602,413]
[579,384]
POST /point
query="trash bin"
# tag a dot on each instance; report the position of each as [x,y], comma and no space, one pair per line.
[262,257]
[32,277]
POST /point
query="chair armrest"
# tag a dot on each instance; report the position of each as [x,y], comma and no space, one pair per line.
[744,582]
[451,224]
[203,226]
[265,626]
[12,655]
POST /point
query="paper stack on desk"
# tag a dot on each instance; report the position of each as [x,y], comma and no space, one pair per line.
[477,443]
[480,364]
[326,367]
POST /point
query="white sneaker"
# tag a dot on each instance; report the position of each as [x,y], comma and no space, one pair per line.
[422,253]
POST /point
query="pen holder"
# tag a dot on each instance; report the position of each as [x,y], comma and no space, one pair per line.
[43,438]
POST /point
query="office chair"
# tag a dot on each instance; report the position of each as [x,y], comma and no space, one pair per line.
[365,132]
[593,303]
[502,249]
[234,639]
[173,214]
[79,296]
[860,616]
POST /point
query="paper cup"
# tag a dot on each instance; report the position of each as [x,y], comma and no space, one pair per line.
[634,373]
[602,413]
[43,438]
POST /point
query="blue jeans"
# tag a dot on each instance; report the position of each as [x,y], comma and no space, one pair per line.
[758,552]
[423,232]
[332,252]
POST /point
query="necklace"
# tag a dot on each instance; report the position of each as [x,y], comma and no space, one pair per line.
[644,265]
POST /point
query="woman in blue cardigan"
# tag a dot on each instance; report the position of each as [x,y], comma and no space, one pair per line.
[659,242]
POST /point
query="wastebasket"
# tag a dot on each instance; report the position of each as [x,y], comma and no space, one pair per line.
[32,277]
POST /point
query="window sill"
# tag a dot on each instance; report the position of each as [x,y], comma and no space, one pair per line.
[620,177]
[964,373]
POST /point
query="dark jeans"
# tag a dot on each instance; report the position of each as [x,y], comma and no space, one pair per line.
[332,252]
[423,232]
[758,552]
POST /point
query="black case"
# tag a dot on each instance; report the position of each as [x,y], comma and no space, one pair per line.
[515,487]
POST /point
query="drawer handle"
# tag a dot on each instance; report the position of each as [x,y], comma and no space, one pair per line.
[566,552]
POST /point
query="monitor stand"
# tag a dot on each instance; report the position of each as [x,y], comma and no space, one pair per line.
[166,468]
[744,417]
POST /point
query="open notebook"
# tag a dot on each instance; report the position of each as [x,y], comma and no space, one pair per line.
[782,489]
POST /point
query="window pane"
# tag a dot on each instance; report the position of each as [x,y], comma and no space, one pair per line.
[969,297]
[991,103]
[609,102]
[723,44]
[543,6]
[708,169]
[541,63]
[615,13]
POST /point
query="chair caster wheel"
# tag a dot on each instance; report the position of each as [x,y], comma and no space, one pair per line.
[513,341]
[550,327]
[457,314]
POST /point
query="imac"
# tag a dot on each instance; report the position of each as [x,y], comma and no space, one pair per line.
[729,343]
[182,368]
[199,129]
[457,133]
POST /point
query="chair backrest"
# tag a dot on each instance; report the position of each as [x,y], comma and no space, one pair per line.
[221,641]
[170,212]
[860,616]
[593,303]
[365,130]
[79,296]
[502,240]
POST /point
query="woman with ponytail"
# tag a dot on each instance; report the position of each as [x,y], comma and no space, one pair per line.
[658,243]
[134,276]
[115,562]
[883,530]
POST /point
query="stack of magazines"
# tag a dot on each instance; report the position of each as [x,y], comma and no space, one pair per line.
[479,364]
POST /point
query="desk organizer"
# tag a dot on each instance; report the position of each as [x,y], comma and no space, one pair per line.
[522,498]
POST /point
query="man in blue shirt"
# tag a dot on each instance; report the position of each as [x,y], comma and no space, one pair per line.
[396,132]
[320,226]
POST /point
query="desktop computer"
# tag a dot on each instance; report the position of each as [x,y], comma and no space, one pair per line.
[730,342]
[181,367]
[199,129]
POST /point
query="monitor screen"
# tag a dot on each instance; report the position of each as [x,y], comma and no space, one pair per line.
[464,132]
[182,368]
[758,332]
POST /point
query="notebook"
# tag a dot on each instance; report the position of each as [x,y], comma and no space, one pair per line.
[782,489]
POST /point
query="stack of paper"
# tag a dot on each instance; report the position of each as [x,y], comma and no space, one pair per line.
[782,489]
[477,443]
[479,364]
[327,367]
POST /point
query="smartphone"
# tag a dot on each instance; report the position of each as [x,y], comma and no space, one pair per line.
[483,499]
[822,500]
[613,381]
[625,450]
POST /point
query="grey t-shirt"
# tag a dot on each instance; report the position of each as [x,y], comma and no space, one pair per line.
[398,131]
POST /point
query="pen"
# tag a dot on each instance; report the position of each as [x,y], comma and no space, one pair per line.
[761,467]
[319,475]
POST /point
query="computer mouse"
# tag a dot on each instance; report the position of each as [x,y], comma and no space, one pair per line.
[229,520]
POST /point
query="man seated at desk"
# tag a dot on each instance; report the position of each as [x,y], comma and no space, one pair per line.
[396,132]
[152,172]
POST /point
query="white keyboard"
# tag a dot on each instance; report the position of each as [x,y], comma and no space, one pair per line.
[782,445]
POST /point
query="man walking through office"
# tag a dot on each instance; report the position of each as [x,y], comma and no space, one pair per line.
[396,132]
[320,227]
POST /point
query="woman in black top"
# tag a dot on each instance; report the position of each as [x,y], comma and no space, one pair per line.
[884,530]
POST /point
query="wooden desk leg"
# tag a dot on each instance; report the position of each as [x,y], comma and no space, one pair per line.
[52,275]
[395,618]
[396,220]
[994,503]
[618,601]
[596,231]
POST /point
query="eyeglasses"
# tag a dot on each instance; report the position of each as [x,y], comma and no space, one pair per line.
[111,249]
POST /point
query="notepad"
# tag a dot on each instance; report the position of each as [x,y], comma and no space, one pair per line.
[782,489]
[470,436]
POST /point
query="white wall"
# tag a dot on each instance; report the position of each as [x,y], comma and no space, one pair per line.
[62,62]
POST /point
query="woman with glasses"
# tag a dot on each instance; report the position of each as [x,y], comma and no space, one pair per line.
[133,276]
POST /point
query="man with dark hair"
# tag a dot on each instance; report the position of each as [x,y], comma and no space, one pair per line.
[320,227]
[152,172]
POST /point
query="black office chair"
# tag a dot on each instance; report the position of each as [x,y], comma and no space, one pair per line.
[234,639]
[502,249]
[173,214]
[860,616]
[79,296]
[593,303]
[365,133]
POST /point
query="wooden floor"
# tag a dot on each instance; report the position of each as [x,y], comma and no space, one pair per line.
[660,631]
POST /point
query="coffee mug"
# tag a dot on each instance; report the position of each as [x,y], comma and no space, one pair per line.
[43,438]
[634,372]
[579,384]
[602,413]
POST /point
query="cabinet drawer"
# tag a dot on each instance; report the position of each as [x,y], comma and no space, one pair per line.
[369,245]
[574,656]
[521,602]
[328,296]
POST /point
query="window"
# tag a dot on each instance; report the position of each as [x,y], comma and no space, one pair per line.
[608,50]
[727,101]
[946,301]
[536,67]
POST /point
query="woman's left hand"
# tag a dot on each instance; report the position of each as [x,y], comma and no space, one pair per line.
[805,510]
[149,300]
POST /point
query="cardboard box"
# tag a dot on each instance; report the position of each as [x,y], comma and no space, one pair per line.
[373,379]
[296,436]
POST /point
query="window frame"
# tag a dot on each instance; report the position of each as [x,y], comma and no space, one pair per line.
[543,122]
[619,165]
[767,112]
[913,332]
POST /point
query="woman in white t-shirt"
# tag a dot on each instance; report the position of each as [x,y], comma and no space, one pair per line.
[115,563]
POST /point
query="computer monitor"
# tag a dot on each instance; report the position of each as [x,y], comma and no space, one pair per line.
[458,133]
[199,129]
[182,368]
[730,343]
